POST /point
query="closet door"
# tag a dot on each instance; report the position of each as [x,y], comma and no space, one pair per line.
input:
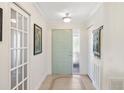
[19,73]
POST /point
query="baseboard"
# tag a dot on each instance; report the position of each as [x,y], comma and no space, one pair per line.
[41,81]
[89,75]
[95,85]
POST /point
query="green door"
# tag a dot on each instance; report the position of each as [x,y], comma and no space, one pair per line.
[62,51]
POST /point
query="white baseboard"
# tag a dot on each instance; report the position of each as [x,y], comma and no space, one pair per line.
[41,81]
[96,87]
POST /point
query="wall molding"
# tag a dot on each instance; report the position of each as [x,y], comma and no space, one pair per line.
[95,9]
[37,6]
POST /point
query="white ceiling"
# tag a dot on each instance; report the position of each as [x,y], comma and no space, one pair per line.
[54,11]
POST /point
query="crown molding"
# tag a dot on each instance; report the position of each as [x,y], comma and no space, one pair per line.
[94,10]
[37,6]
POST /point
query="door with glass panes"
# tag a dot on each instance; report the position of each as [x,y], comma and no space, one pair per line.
[19,76]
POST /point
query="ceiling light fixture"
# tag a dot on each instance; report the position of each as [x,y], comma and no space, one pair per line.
[67,18]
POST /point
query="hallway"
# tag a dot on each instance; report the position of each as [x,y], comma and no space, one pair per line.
[37,46]
[67,82]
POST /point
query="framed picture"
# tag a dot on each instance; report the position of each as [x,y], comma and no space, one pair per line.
[37,39]
[97,42]
[1,19]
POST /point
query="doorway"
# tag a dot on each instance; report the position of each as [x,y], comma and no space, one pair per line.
[76,52]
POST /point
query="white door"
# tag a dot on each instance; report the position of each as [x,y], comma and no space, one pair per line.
[19,20]
[62,51]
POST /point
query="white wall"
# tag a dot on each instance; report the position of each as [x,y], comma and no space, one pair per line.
[114,59]
[83,50]
[49,51]
[4,50]
[94,63]
[39,63]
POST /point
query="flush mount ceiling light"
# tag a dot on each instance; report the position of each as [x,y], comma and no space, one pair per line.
[67,18]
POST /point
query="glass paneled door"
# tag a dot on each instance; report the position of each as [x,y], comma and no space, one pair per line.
[19,48]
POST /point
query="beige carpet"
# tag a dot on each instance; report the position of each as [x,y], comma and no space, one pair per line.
[66,82]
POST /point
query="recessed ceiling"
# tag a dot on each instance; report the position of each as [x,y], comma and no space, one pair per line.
[54,11]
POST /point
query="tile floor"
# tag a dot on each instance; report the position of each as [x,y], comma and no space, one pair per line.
[67,82]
